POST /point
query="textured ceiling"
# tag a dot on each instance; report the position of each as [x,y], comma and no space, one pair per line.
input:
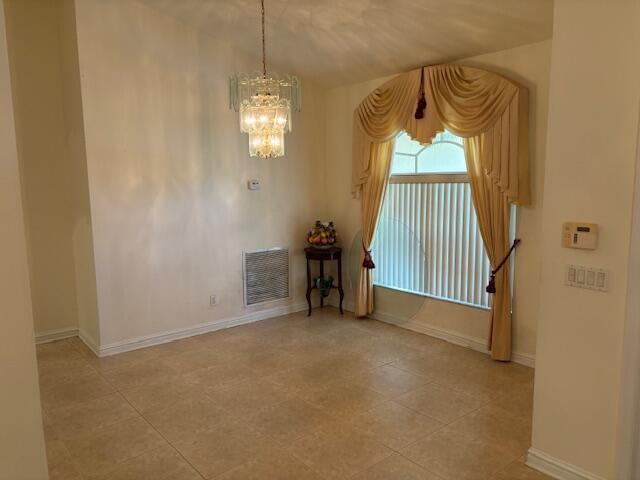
[336,42]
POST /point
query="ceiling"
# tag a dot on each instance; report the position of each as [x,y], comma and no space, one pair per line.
[336,42]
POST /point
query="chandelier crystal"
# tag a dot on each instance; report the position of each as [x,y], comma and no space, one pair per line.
[265,102]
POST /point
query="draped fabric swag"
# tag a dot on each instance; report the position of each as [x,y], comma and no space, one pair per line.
[491,114]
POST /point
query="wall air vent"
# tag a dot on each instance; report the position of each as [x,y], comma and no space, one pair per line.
[266,275]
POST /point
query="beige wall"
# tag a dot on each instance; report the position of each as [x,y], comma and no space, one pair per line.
[22,453]
[45,164]
[593,116]
[528,65]
[168,167]
[82,236]
[46,95]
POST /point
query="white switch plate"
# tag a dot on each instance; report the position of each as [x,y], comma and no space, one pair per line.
[590,278]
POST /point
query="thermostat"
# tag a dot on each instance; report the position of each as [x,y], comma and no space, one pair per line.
[580,235]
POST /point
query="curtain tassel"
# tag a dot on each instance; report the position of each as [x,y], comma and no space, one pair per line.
[368,261]
[491,287]
[422,101]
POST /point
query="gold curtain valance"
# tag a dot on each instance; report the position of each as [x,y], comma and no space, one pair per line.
[467,101]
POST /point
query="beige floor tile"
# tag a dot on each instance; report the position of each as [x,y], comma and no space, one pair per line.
[351,335]
[396,467]
[390,381]
[484,380]
[57,350]
[49,432]
[303,378]
[65,471]
[313,349]
[321,371]
[322,322]
[248,396]
[382,349]
[348,363]
[289,337]
[268,361]
[343,397]
[82,418]
[57,452]
[191,360]
[511,370]
[394,425]
[273,466]
[293,397]
[53,371]
[339,453]
[230,444]
[450,454]
[138,374]
[164,463]
[440,403]
[429,364]
[219,375]
[187,419]
[423,343]
[161,395]
[497,426]
[289,420]
[519,471]
[111,362]
[519,403]
[103,450]
[75,390]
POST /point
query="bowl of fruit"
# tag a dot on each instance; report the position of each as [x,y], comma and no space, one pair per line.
[322,235]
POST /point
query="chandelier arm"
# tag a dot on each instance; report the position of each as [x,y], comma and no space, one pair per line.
[264,54]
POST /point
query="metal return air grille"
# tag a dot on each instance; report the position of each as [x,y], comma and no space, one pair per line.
[266,275]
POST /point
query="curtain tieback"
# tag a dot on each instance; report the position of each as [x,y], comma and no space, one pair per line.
[422,101]
[491,288]
[368,261]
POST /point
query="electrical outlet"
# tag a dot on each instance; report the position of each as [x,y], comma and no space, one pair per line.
[213,301]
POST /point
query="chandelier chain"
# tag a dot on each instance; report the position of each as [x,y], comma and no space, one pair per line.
[264,54]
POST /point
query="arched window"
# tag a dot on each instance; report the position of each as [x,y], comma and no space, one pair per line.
[445,154]
[428,240]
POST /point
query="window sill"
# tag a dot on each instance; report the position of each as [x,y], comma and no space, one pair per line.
[433,297]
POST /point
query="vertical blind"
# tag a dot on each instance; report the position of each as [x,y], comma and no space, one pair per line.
[428,243]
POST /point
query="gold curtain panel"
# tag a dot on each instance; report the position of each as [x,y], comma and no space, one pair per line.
[491,113]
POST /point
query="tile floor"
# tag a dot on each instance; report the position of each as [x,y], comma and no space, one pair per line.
[295,397]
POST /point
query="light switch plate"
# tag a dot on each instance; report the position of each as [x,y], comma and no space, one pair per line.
[253,184]
[591,278]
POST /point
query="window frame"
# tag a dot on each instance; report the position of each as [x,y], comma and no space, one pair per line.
[430,178]
[416,155]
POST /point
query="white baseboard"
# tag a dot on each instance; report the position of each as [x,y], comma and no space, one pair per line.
[89,341]
[456,338]
[53,335]
[557,468]
[164,337]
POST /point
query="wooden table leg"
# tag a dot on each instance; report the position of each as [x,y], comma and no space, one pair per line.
[308,287]
[340,290]
[321,276]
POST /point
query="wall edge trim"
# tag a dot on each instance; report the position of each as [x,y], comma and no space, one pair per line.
[456,338]
[543,462]
[57,334]
[171,335]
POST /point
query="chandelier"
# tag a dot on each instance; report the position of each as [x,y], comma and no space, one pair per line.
[265,102]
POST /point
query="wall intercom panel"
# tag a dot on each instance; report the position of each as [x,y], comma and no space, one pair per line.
[580,235]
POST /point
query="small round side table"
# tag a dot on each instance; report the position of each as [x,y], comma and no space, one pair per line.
[322,255]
